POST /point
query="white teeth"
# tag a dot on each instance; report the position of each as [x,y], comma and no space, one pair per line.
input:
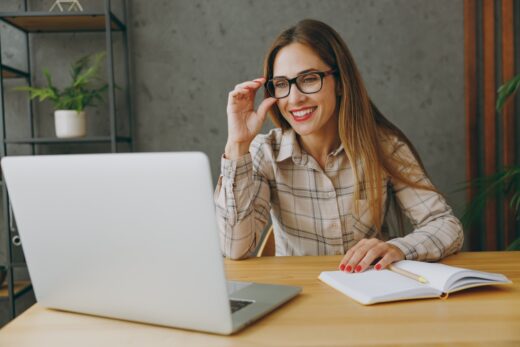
[303,113]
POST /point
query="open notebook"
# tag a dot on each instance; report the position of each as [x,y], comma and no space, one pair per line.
[371,286]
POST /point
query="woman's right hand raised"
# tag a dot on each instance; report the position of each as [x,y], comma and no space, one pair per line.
[244,123]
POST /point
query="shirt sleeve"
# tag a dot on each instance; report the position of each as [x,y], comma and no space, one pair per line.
[437,232]
[242,204]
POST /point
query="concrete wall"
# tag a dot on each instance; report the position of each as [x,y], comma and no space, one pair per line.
[188,54]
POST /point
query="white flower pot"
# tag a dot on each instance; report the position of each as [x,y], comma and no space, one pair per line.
[70,123]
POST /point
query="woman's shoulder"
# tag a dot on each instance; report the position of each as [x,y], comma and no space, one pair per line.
[401,152]
[392,143]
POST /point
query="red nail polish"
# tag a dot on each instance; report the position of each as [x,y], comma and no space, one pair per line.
[358,268]
[349,268]
[342,267]
[378,267]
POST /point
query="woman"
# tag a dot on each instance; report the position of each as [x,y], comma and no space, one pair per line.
[327,173]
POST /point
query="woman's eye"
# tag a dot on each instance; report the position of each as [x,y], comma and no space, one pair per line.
[281,84]
[310,79]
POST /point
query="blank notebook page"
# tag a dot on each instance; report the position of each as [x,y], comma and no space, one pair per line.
[371,285]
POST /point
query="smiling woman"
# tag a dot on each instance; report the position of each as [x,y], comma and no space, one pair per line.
[328,171]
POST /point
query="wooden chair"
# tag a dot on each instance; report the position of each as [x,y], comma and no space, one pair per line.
[267,247]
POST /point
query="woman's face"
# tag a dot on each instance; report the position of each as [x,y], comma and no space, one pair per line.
[308,114]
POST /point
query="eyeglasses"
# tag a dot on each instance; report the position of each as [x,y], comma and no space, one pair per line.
[307,83]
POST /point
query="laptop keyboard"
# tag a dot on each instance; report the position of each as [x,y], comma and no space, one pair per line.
[238,304]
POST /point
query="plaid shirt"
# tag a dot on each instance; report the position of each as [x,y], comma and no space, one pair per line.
[312,208]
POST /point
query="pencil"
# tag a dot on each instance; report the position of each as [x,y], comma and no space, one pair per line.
[407,274]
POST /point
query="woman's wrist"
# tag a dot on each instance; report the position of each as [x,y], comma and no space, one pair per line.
[235,150]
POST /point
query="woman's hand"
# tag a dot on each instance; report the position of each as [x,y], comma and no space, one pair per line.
[366,251]
[244,123]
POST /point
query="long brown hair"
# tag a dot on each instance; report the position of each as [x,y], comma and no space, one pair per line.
[360,124]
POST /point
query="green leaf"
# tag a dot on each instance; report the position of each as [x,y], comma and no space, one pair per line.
[515,204]
[514,246]
[83,78]
[40,93]
[507,182]
[506,90]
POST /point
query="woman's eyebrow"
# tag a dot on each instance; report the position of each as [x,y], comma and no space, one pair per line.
[299,73]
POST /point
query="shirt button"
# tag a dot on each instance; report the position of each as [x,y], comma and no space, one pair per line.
[339,252]
[331,194]
[330,165]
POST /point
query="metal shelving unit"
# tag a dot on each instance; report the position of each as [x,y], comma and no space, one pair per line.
[36,23]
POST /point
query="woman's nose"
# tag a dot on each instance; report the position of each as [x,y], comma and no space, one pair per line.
[295,95]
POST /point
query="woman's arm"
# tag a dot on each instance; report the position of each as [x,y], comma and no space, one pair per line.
[242,194]
[437,232]
[242,199]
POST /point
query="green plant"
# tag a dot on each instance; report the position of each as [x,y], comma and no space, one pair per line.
[506,90]
[506,181]
[82,91]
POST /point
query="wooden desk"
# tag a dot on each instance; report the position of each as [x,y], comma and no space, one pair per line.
[319,316]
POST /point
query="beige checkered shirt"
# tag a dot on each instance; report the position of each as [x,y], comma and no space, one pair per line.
[311,208]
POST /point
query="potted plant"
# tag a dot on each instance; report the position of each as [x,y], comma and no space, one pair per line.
[86,89]
[506,181]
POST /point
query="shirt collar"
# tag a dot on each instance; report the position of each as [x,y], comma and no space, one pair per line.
[290,148]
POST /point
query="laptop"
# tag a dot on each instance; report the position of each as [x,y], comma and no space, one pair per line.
[130,236]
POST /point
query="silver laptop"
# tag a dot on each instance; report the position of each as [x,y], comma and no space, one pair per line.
[130,236]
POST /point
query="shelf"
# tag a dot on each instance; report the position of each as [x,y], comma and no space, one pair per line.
[11,72]
[48,22]
[57,141]
[20,288]
[103,23]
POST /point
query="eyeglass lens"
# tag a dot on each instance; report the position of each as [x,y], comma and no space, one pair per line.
[307,83]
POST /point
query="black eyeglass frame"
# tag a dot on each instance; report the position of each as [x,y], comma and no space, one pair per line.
[292,81]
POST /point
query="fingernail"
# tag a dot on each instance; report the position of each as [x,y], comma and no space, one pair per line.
[349,268]
[358,268]
[342,267]
[378,267]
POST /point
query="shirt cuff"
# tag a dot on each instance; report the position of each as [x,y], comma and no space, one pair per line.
[409,252]
[231,168]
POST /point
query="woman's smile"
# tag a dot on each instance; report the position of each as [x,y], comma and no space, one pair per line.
[303,113]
